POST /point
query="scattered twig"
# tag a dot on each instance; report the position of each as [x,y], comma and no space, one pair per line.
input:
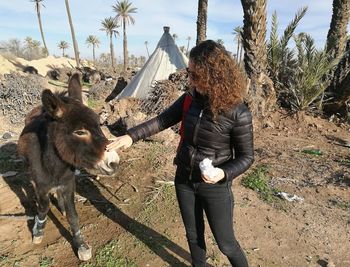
[134,187]
[132,159]
[119,188]
[165,182]
[155,195]
[157,190]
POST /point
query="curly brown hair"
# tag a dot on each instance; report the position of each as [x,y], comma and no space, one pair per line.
[218,75]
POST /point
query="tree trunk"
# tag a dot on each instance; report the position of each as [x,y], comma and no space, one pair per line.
[261,93]
[240,53]
[340,85]
[337,33]
[339,48]
[63,52]
[125,49]
[75,44]
[202,21]
[93,53]
[42,32]
[112,50]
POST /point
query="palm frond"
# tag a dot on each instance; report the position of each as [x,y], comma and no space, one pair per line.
[273,46]
[288,32]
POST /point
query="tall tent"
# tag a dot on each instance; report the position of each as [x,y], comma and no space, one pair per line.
[166,59]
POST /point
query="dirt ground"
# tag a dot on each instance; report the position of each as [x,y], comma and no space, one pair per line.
[132,218]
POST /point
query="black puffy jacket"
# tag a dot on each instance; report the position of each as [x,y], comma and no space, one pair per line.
[227,141]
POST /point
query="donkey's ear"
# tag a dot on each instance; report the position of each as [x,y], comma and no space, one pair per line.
[52,104]
[74,87]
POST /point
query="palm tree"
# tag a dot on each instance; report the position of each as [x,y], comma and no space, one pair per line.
[280,57]
[109,25]
[175,36]
[340,84]
[75,44]
[202,21]
[123,10]
[146,44]
[220,41]
[63,45]
[309,78]
[261,93]
[188,43]
[338,45]
[38,4]
[297,75]
[254,36]
[337,33]
[238,31]
[94,42]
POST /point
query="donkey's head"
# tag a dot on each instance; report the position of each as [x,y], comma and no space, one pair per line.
[75,130]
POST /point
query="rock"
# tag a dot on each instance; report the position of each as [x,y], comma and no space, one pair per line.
[30,69]
[269,124]
[282,155]
[7,135]
[330,263]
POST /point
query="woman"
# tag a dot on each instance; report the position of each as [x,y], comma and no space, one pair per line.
[217,126]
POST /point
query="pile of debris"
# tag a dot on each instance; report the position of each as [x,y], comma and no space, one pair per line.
[60,74]
[120,115]
[100,90]
[164,93]
[89,75]
[19,95]
[107,91]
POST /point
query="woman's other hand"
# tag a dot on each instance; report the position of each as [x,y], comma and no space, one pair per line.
[213,180]
[124,141]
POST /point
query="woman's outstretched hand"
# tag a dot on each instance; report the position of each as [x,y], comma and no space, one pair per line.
[213,180]
[124,141]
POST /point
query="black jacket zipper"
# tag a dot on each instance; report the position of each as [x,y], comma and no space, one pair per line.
[195,133]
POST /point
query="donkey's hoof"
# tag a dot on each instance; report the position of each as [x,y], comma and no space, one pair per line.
[37,239]
[84,253]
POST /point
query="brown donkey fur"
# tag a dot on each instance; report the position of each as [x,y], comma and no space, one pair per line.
[58,137]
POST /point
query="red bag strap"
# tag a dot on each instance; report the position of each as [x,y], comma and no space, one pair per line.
[185,107]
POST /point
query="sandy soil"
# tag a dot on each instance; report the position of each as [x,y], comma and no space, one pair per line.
[43,65]
[140,216]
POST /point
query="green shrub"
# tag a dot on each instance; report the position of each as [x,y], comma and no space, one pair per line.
[258,180]
[107,257]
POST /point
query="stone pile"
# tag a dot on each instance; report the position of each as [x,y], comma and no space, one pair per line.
[19,95]
[100,90]
[165,93]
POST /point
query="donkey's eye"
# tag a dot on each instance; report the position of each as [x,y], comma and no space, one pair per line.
[81,133]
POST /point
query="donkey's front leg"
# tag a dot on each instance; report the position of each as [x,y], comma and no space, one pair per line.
[40,219]
[84,251]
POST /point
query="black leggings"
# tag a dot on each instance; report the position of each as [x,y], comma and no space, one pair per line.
[217,202]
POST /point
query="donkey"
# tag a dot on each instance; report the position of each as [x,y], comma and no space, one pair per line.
[60,135]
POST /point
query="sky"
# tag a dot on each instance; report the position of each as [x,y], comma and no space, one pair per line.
[18,20]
